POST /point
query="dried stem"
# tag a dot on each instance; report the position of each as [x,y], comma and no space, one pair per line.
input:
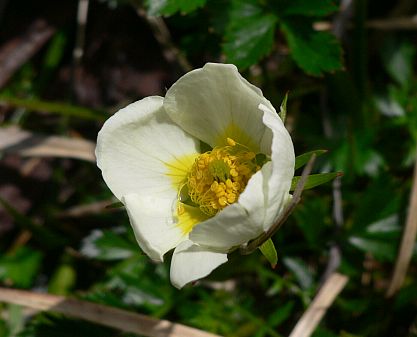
[317,309]
[407,242]
[161,33]
[15,140]
[404,23]
[100,314]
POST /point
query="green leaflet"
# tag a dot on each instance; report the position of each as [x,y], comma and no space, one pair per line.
[283,108]
[314,180]
[269,251]
[302,159]
[169,7]
[314,52]
[249,33]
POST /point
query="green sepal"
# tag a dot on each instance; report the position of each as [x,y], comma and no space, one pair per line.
[302,159]
[283,108]
[269,251]
[314,180]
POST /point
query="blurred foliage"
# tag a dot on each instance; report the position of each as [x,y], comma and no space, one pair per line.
[353,92]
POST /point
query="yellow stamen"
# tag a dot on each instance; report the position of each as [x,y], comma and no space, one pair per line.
[217,177]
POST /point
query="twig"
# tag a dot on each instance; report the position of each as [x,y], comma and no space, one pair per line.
[342,17]
[407,242]
[82,13]
[78,51]
[97,207]
[15,140]
[19,50]
[405,23]
[296,197]
[101,314]
[161,33]
[317,309]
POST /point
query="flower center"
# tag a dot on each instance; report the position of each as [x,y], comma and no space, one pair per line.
[217,177]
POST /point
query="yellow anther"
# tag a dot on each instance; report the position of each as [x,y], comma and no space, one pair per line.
[220,193]
[231,142]
[218,177]
[231,198]
[222,201]
[214,186]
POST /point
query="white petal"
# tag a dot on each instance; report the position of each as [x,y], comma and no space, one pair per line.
[143,156]
[216,102]
[191,262]
[153,223]
[283,159]
[230,227]
[139,149]
[263,199]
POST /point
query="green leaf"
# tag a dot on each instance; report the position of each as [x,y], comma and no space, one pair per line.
[314,52]
[308,7]
[269,251]
[281,314]
[303,159]
[21,268]
[169,7]
[314,180]
[249,33]
[53,107]
[300,270]
[381,250]
[108,245]
[63,280]
[398,58]
[283,108]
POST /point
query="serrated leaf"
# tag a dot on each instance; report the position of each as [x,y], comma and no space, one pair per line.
[169,7]
[314,180]
[302,159]
[249,33]
[269,251]
[308,7]
[314,52]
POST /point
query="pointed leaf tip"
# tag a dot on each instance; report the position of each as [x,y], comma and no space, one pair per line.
[283,108]
[269,251]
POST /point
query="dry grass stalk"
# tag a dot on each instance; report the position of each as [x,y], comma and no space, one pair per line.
[15,140]
[101,314]
[407,242]
[323,300]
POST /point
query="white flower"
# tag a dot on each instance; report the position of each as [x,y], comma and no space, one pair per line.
[203,203]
